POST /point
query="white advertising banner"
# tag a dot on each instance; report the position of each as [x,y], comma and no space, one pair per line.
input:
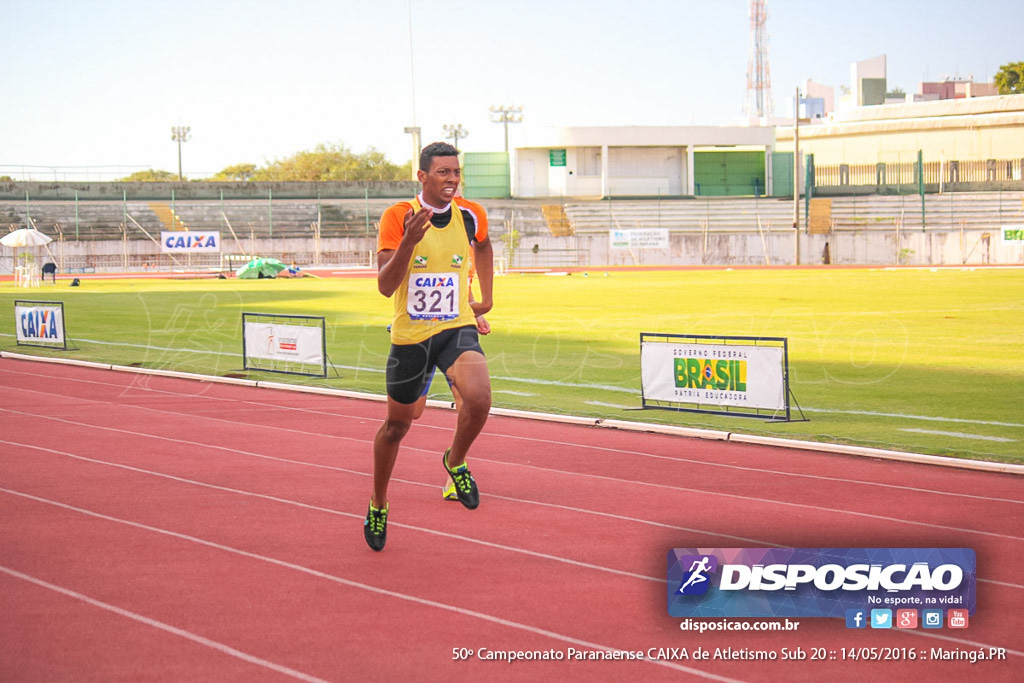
[194,241]
[652,238]
[293,343]
[41,323]
[736,375]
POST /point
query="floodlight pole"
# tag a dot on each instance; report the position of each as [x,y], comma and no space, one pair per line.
[180,134]
[505,115]
[455,133]
[796,178]
[414,131]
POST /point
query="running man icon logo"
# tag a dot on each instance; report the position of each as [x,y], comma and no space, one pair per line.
[696,580]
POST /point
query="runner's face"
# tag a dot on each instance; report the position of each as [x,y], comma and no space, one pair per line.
[441,182]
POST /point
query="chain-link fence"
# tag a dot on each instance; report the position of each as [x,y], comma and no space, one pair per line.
[937,228]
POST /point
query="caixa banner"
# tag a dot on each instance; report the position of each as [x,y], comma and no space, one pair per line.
[190,241]
[817,582]
[40,323]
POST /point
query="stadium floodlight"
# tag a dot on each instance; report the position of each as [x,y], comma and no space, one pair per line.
[180,134]
[505,115]
[455,133]
[414,131]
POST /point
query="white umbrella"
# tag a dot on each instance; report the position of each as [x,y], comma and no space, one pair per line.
[21,239]
[25,237]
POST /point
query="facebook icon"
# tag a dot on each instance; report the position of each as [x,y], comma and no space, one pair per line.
[856,618]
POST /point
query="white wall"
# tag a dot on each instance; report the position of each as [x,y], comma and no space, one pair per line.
[740,247]
[776,247]
[531,177]
[867,68]
[973,129]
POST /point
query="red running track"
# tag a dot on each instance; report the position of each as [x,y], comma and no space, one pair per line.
[156,528]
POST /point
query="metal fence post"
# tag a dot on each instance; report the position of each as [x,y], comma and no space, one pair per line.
[920,183]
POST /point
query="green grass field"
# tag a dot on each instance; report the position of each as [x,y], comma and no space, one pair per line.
[920,360]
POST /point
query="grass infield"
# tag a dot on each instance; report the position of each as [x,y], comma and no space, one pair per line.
[922,360]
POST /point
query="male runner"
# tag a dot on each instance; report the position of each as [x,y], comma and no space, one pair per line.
[423,256]
[482,327]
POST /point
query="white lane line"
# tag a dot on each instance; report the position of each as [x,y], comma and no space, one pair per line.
[602,404]
[958,435]
[317,508]
[618,451]
[486,543]
[548,471]
[188,635]
[568,508]
[599,387]
[359,585]
[903,416]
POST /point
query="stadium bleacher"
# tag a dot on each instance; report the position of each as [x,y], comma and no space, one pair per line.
[287,227]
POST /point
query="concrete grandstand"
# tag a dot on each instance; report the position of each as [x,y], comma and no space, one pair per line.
[944,229]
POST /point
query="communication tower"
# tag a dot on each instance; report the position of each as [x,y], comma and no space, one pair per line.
[759,77]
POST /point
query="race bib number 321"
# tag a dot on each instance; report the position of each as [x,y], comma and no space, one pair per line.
[433,296]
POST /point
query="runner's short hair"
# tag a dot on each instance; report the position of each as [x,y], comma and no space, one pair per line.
[435,149]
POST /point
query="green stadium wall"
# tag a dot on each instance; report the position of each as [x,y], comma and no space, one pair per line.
[486,175]
[729,174]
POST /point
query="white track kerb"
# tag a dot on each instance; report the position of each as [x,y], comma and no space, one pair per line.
[710,434]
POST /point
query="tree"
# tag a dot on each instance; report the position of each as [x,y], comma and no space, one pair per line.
[511,241]
[236,173]
[332,162]
[150,176]
[1010,79]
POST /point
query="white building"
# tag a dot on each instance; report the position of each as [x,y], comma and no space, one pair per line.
[646,161]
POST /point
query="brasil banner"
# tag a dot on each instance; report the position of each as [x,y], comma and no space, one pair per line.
[1012,234]
[735,374]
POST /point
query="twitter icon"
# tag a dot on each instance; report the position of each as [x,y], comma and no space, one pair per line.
[881,618]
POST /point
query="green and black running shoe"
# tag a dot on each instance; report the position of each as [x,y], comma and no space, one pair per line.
[375,527]
[465,486]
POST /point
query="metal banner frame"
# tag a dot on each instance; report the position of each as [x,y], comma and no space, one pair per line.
[63,327]
[781,413]
[283,320]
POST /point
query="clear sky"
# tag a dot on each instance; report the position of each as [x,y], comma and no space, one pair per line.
[94,83]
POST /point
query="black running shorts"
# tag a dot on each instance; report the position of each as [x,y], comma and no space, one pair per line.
[410,366]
